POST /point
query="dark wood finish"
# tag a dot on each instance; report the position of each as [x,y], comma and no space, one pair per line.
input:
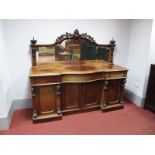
[34,49]
[112,92]
[92,94]
[150,95]
[62,87]
[44,80]
[70,96]
[108,70]
[46,102]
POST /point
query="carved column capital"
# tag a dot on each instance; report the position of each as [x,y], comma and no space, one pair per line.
[33,92]
[106,84]
[58,93]
[124,82]
[58,90]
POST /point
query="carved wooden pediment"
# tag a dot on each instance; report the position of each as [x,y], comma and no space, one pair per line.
[76,35]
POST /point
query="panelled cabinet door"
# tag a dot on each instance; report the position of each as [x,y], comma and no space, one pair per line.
[79,96]
[91,93]
[113,92]
[46,100]
[70,96]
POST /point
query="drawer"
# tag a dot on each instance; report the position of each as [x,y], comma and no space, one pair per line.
[45,79]
[112,75]
[82,77]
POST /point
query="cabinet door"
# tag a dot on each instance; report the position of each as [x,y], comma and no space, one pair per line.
[91,93]
[80,95]
[70,96]
[113,91]
[46,100]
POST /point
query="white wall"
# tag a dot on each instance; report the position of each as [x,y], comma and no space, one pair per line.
[151,57]
[18,34]
[152,46]
[4,74]
[139,48]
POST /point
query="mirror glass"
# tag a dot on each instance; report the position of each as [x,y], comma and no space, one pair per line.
[72,50]
[45,55]
[68,50]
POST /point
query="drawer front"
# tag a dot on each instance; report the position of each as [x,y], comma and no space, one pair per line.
[112,75]
[45,79]
[82,77]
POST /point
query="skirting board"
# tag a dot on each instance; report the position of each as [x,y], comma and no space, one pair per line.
[27,103]
[134,98]
[16,105]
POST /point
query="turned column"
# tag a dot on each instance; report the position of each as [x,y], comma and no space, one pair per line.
[112,46]
[34,50]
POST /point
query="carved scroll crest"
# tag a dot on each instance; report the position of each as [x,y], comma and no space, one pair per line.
[76,35]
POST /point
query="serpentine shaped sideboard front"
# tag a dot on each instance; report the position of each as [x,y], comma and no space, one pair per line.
[65,87]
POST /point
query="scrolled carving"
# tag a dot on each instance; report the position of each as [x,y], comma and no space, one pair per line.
[58,93]
[106,85]
[122,91]
[76,35]
[58,90]
[33,92]
[88,37]
[123,83]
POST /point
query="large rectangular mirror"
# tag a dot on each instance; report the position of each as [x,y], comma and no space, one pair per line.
[72,51]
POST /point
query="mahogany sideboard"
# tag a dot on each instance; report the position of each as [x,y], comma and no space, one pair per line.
[61,85]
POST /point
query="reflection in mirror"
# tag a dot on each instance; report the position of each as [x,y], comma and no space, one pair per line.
[90,51]
[73,50]
[45,55]
[102,53]
[68,51]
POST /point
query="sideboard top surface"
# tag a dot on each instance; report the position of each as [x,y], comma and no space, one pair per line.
[78,67]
